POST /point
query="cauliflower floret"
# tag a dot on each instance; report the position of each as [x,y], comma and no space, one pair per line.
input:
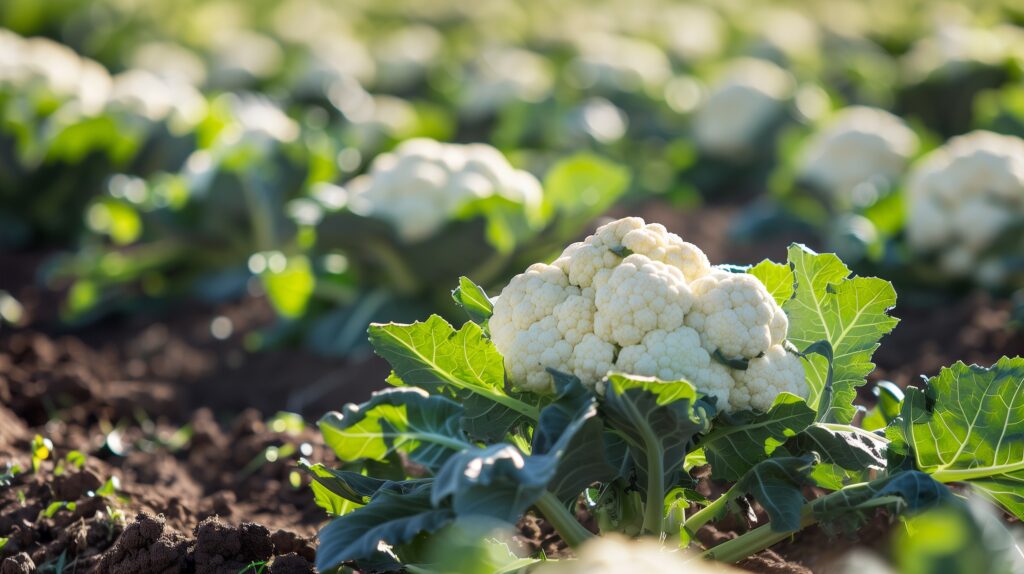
[589,263]
[859,145]
[423,183]
[585,261]
[778,371]
[654,241]
[963,196]
[736,315]
[747,100]
[640,296]
[592,359]
[528,298]
[674,355]
[575,315]
[531,352]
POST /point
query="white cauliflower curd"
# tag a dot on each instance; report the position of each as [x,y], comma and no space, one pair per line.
[635,298]
[423,183]
[615,553]
[750,96]
[859,145]
[962,197]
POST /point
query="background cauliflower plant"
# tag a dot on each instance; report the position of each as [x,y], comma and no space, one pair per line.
[636,298]
[423,184]
[964,201]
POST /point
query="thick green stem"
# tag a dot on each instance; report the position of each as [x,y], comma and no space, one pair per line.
[708,513]
[654,511]
[763,537]
[571,531]
[756,540]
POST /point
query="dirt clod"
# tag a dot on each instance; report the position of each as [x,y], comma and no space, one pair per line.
[221,548]
[146,546]
[291,564]
[20,563]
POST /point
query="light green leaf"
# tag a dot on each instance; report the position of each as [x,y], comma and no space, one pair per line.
[740,441]
[473,300]
[850,313]
[968,426]
[290,289]
[583,184]
[777,277]
[460,364]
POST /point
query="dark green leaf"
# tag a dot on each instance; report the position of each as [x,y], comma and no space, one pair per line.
[568,454]
[570,429]
[901,492]
[740,441]
[849,454]
[402,419]
[393,517]
[655,416]
[736,364]
[776,485]
[497,481]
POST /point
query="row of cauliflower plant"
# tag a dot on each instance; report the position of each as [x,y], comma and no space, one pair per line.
[606,378]
[331,258]
[935,218]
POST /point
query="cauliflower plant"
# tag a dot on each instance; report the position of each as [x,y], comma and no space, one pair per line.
[423,183]
[748,99]
[962,197]
[859,145]
[635,298]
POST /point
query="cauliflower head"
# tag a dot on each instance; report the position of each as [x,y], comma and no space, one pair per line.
[860,144]
[963,196]
[746,101]
[423,183]
[611,554]
[635,298]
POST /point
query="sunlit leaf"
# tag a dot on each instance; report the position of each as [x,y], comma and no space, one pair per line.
[968,426]
[850,313]
[459,364]
[777,277]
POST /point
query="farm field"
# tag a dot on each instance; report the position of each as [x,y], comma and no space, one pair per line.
[311,286]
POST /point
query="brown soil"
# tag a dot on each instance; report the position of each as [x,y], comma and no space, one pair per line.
[180,418]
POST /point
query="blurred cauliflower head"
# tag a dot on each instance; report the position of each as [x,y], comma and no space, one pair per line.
[635,298]
[962,197]
[613,554]
[750,97]
[423,184]
[859,145]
